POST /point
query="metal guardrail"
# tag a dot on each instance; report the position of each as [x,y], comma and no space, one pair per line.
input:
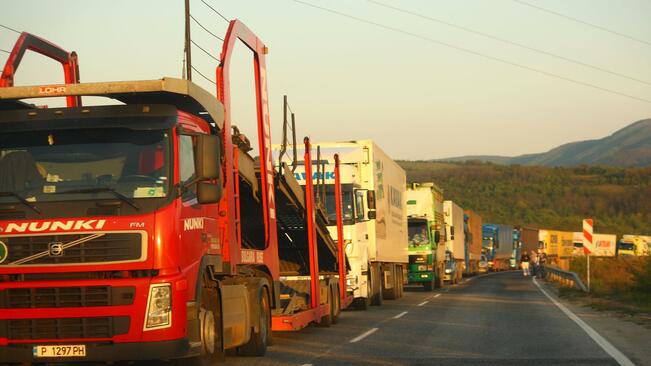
[567,278]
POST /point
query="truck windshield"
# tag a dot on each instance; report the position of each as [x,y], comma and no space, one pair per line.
[347,203]
[75,164]
[487,243]
[417,233]
[626,246]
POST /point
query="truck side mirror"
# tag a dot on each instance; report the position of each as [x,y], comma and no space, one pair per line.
[207,157]
[207,165]
[371,200]
[209,192]
[437,237]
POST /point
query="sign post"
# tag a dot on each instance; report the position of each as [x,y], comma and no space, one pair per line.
[588,245]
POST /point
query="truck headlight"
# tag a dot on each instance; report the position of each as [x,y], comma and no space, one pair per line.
[447,270]
[159,307]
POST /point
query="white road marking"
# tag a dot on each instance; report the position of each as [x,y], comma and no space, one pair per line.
[400,315]
[364,335]
[601,341]
[306,364]
[437,295]
[423,303]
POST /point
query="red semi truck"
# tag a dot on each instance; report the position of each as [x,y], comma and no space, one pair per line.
[145,230]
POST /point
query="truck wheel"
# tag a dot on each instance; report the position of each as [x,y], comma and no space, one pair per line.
[376,285]
[326,320]
[401,289]
[337,304]
[210,326]
[257,345]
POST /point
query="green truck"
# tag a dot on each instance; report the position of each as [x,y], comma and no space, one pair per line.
[425,232]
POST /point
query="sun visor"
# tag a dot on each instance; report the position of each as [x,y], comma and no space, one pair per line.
[133,117]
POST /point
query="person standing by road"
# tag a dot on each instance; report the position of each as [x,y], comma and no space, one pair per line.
[542,260]
[525,259]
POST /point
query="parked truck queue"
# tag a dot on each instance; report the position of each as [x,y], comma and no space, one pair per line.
[147,229]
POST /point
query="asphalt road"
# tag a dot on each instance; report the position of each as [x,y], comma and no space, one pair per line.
[499,319]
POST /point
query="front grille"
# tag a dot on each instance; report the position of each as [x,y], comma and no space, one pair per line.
[113,247]
[64,328]
[66,297]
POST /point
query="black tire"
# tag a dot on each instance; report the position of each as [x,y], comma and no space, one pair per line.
[400,284]
[326,320]
[376,285]
[257,345]
[211,330]
[337,303]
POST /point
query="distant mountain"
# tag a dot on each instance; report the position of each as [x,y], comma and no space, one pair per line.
[630,146]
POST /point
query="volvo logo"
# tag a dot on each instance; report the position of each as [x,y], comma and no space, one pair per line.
[56,249]
[4,251]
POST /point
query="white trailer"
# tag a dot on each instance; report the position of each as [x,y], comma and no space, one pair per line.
[455,243]
[375,219]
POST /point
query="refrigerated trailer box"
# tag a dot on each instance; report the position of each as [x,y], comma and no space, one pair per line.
[529,239]
[605,244]
[455,241]
[473,239]
[375,218]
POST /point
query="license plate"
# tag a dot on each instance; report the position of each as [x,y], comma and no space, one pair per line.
[60,350]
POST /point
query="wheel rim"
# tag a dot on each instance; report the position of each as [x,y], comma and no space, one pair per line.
[207,331]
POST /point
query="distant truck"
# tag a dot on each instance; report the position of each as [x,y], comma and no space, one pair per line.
[558,246]
[473,237]
[425,234]
[497,245]
[528,239]
[455,243]
[637,245]
[605,245]
[375,218]
[514,262]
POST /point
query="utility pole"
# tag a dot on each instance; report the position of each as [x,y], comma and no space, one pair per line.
[188,45]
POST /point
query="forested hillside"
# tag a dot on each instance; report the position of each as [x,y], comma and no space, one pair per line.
[627,147]
[618,199]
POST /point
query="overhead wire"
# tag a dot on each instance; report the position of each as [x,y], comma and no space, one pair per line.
[4,50]
[204,51]
[203,76]
[470,30]
[469,51]
[9,28]
[215,10]
[206,29]
[601,28]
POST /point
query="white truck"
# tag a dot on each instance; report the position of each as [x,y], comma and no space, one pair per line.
[375,219]
[455,243]
[605,245]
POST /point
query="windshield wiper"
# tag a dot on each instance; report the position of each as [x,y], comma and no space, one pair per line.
[21,199]
[104,189]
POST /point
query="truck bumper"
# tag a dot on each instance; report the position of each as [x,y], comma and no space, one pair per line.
[165,350]
[420,277]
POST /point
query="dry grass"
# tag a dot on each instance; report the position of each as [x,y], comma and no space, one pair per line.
[623,282]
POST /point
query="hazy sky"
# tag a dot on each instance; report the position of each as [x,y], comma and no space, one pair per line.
[347,80]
